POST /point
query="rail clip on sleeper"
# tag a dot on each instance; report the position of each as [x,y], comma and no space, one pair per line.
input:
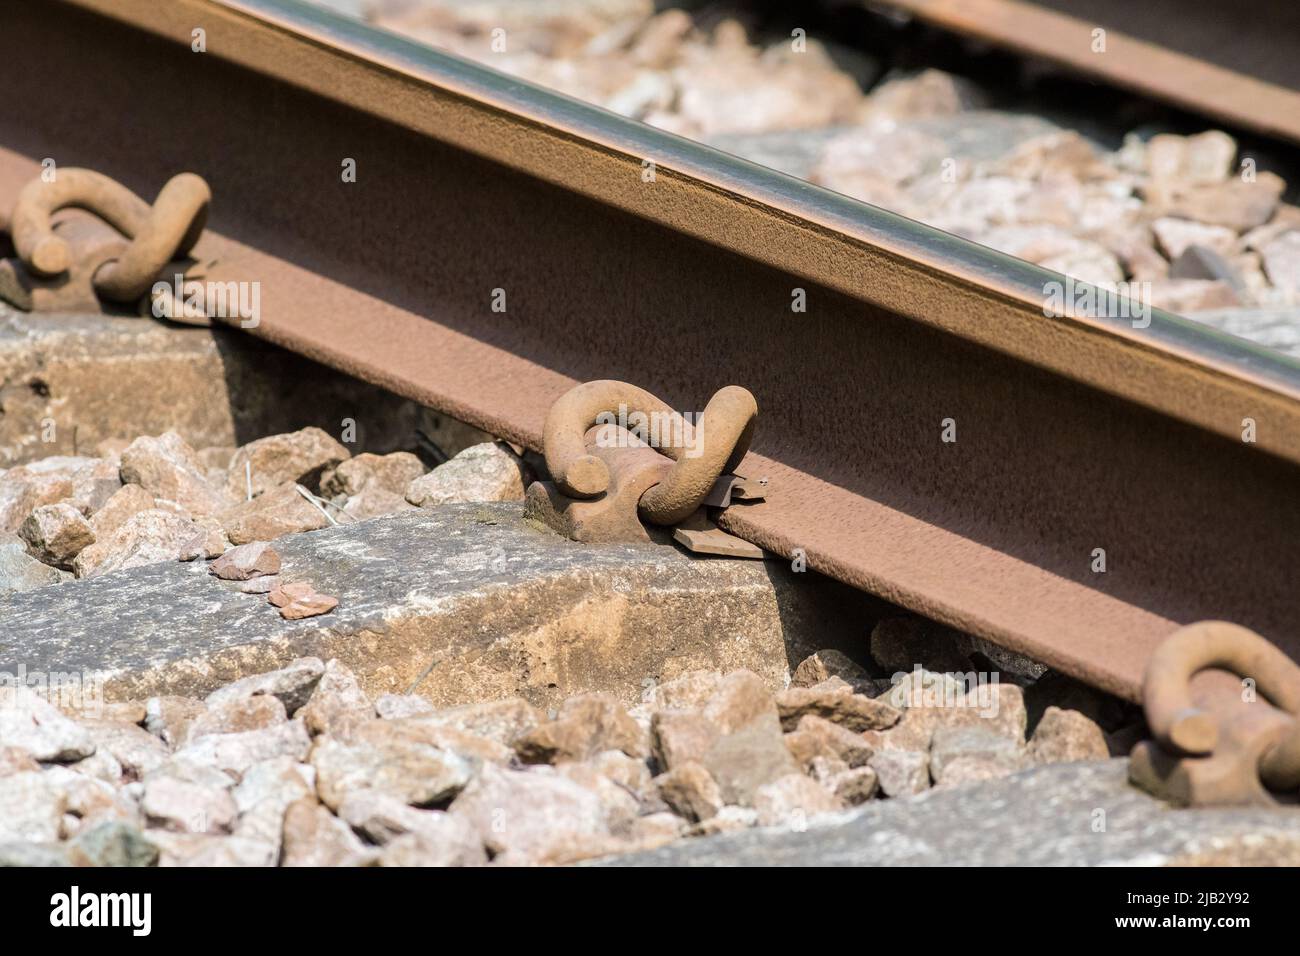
[621,460]
[82,239]
[1220,741]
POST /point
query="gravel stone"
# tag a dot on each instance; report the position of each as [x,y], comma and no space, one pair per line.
[449,838]
[836,702]
[15,759]
[168,718]
[1177,235]
[960,755]
[208,540]
[504,721]
[657,829]
[1192,296]
[835,740]
[279,510]
[293,685]
[237,716]
[203,850]
[793,800]
[32,723]
[629,773]
[681,736]
[619,806]
[23,489]
[901,773]
[486,472]
[416,773]
[185,806]
[417,730]
[1281,259]
[740,698]
[395,706]
[101,765]
[315,837]
[112,844]
[126,711]
[827,663]
[19,571]
[727,820]
[235,753]
[89,801]
[56,534]
[1235,204]
[137,752]
[278,461]
[689,690]
[261,585]
[999,708]
[691,791]
[167,467]
[745,760]
[529,813]
[148,537]
[124,504]
[33,808]
[855,786]
[25,854]
[1066,735]
[375,502]
[337,702]
[265,793]
[459,848]
[391,473]
[246,561]
[298,599]
[587,725]
[1204,158]
[278,780]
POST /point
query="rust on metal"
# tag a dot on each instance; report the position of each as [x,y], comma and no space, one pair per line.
[1074,434]
[701,451]
[170,230]
[66,263]
[628,469]
[715,445]
[698,533]
[1102,47]
[89,243]
[734,487]
[1227,748]
[618,456]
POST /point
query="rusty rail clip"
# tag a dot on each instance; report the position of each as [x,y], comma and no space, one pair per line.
[76,262]
[621,459]
[1220,744]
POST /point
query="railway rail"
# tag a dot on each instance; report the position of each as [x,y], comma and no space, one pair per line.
[1202,55]
[1098,494]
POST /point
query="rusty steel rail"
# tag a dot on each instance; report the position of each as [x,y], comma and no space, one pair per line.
[1236,64]
[1072,434]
